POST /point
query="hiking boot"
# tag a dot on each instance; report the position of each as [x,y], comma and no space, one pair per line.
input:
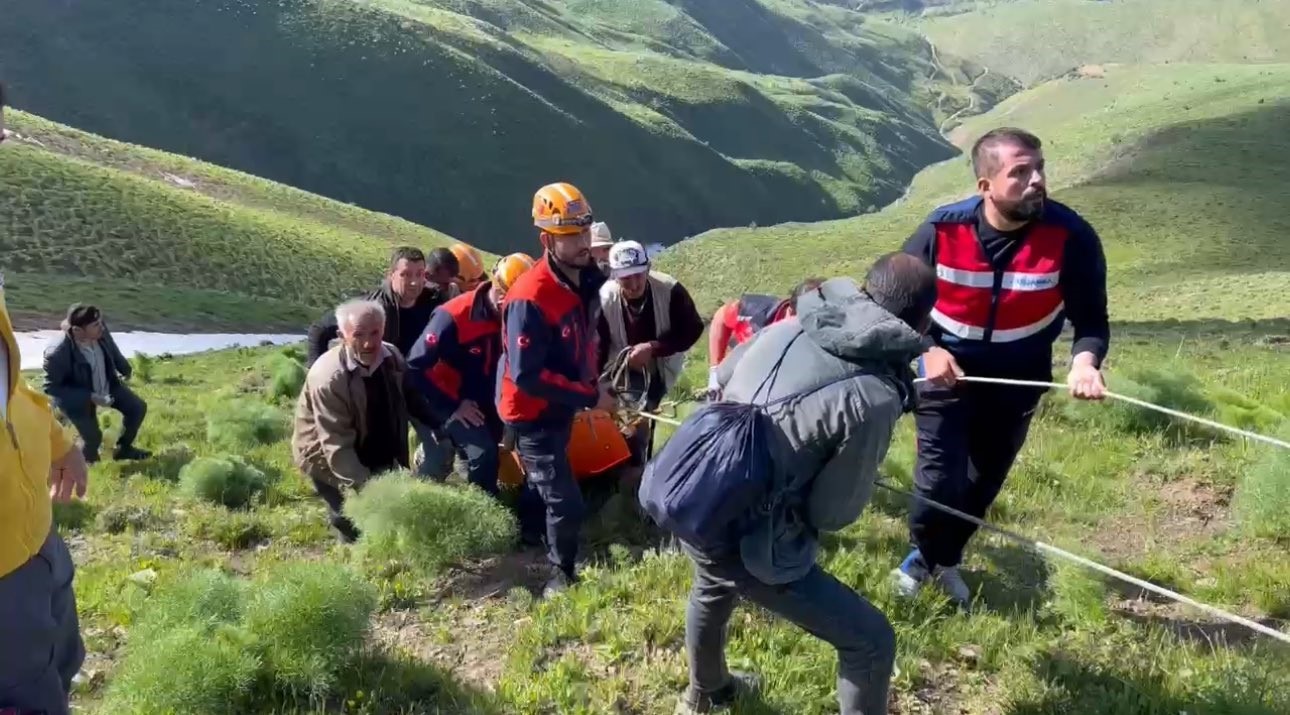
[558,583]
[740,683]
[130,454]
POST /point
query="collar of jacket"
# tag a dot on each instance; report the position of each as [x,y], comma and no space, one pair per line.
[589,278]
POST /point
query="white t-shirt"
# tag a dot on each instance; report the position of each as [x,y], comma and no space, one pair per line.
[4,380]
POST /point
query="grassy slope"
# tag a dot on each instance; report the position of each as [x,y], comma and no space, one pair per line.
[721,113]
[1164,161]
[91,219]
[1043,640]
[1060,35]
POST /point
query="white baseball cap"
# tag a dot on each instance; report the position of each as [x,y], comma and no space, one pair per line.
[627,258]
[600,235]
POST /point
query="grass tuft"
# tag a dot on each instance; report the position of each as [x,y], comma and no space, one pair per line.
[428,526]
[286,377]
[234,424]
[310,620]
[1262,501]
[227,480]
[187,670]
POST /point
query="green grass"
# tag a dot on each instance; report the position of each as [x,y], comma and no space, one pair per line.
[1036,40]
[1163,161]
[1153,501]
[452,112]
[97,220]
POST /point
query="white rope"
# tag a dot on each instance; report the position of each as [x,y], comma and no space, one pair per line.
[1133,401]
[1044,548]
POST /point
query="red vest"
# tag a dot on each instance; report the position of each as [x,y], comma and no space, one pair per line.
[753,312]
[473,359]
[1029,296]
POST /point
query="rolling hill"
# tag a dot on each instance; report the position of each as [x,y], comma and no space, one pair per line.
[1035,40]
[675,116]
[1170,164]
[162,241]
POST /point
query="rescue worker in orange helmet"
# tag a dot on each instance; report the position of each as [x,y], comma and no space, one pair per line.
[737,321]
[549,371]
[454,365]
[470,266]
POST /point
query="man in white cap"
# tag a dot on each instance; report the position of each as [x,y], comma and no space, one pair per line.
[601,241]
[650,315]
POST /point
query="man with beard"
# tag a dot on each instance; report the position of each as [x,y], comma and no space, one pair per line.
[1012,265]
[549,370]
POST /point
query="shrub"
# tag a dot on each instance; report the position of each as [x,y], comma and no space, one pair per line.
[310,622]
[204,600]
[427,525]
[144,368]
[233,424]
[187,670]
[286,377]
[1262,500]
[226,480]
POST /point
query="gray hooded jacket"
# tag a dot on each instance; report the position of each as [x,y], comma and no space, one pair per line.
[836,436]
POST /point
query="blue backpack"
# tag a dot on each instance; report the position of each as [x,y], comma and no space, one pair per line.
[719,469]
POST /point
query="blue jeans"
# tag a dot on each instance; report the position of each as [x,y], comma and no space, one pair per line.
[543,451]
[41,636]
[437,451]
[819,603]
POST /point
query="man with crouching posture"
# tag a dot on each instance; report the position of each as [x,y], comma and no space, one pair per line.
[850,381]
[352,415]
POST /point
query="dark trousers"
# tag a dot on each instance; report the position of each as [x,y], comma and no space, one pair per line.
[41,636]
[968,438]
[478,447]
[823,606]
[335,500]
[85,417]
[544,454]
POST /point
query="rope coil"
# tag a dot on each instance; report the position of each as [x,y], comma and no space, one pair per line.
[1041,547]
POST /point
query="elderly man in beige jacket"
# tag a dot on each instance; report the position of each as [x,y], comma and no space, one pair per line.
[352,416]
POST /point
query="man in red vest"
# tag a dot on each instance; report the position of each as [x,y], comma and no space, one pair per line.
[737,321]
[1012,266]
[548,372]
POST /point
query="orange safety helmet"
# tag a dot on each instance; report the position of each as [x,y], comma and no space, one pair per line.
[510,268]
[561,209]
[470,266]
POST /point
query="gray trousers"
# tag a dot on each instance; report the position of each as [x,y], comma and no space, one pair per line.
[40,636]
[819,603]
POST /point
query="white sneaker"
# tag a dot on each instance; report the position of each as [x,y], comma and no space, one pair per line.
[909,577]
[951,582]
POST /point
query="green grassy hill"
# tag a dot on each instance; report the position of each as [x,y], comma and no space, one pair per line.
[1171,164]
[159,240]
[675,116]
[1035,40]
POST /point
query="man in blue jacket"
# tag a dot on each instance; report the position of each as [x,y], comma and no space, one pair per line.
[850,350]
[1012,266]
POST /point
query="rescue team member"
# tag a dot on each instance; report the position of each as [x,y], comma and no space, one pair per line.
[351,420]
[848,354]
[654,316]
[737,321]
[602,239]
[454,366]
[40,637]
[549,371]
[1012,265]
[470,267]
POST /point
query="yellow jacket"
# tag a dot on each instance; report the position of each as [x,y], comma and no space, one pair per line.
[31,441]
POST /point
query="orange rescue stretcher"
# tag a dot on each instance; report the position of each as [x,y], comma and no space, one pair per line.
[597,445]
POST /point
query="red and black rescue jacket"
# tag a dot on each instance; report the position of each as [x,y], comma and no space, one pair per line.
[456,357]
[550,344]
[1008,315]
[752,312]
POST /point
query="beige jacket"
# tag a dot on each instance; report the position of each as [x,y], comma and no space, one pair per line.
[331,416]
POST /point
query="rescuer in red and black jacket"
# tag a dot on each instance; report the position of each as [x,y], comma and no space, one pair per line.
[1012,267]
[736,322]
[454,365]
[549,371]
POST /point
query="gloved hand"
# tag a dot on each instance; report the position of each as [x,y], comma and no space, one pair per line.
[714,387]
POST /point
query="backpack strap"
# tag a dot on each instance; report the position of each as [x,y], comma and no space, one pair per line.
[774,370]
